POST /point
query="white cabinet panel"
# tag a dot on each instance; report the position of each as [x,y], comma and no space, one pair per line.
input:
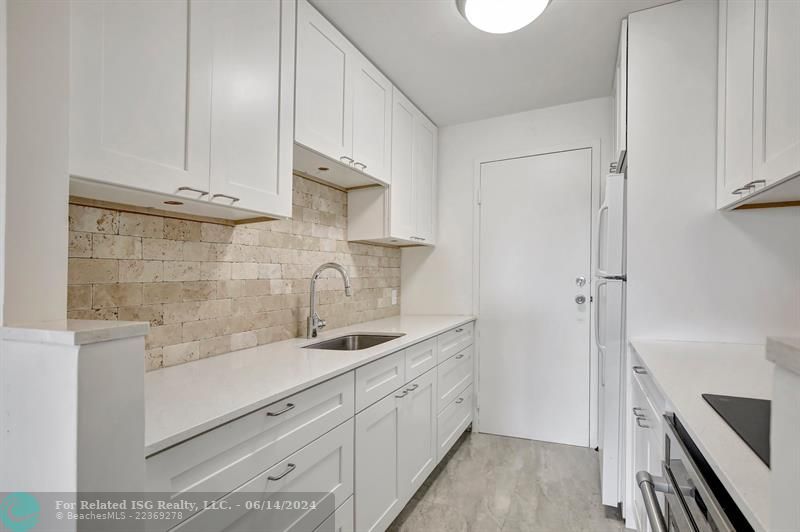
[372,119]
[379,494]
[454,374]
[139,93]
[418,433]
[323,85]
[377,379]
[252,104]
[454,341]
[776,89]
[453,420]
[340,521]
[621,95]
[420,358]
[323,469]
[401,212]
[423,180]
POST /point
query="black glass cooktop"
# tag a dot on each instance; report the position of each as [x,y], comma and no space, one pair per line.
[748,417]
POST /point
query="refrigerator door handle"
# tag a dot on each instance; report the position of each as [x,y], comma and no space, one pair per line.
[601,349]
[604,208]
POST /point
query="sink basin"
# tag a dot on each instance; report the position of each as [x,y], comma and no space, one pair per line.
[354,342]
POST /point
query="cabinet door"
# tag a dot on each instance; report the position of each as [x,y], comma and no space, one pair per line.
[621,94]
[402,211]
[418,433]
[323,119]
[639,452]
[372,119]
[379,495]
[735,99]
[423,180]
[140,96]
[252,104]
[776,90]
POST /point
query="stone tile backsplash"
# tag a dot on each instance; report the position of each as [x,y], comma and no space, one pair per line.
[208,289]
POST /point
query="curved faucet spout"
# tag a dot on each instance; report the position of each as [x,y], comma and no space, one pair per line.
[315,323]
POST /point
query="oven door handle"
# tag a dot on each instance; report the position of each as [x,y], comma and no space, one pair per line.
[648,486]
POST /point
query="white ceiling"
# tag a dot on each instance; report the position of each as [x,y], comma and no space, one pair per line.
[456,73]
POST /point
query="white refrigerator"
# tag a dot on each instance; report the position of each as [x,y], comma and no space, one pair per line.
[609,336]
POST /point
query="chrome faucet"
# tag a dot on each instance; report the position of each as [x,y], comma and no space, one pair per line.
[315,323]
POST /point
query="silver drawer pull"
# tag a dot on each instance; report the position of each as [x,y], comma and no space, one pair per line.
[459,400]
[752,184]
[639,370]
[639,421]
[190,189]
[405,392]
[648,486]
[638,412]
[345,158]
[362,165]
[740,190]
[289,469]
[232,198]
[412,388]
[460,329]
[289,406]
[460,356]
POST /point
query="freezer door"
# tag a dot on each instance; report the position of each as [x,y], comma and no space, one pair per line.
[610,226]
[610,339]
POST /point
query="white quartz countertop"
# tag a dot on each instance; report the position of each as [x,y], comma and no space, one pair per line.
[784,352]
[74,332]
[684,371]
[186,400]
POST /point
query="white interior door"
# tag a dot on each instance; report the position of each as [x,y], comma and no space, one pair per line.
[535,240]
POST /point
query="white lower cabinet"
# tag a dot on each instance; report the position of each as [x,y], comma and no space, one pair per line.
[339,521]
[321,472]
[418,433]
[647,447]
[453,421]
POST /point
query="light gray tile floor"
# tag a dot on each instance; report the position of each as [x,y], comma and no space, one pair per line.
[492,483]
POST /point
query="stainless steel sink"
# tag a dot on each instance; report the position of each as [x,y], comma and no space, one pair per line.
[354,342]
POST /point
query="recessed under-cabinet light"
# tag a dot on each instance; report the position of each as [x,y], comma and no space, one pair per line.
[323,168]
[173,202]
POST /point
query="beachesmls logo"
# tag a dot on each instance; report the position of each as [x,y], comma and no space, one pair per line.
[19,512]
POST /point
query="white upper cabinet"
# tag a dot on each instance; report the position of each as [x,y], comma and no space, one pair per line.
[192,99]
[139,100]
[758,132]
[405,214]
[343,107]
[621,98]
[777,90]
[251,130]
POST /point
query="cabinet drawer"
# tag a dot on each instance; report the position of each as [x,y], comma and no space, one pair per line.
[453,420]
[377,379]
[226,457]
[320,472]
[454,374]
[341,520]
[454,341]
[420,358]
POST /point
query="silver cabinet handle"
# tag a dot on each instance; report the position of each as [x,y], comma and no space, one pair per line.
[639,370]
[289,469]
[362,165]
[648,488]
[458,357]
[638,412]
[459,400]
[345,158]
[418,238]
[412,388]
[288,407]
[740,190]
[405,392]
[752,184]
[640,420]
[190,189]
[232,198]
[460,329]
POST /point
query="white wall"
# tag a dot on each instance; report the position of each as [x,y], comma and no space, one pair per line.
[695,273]
[3,69]
[439,280]
[37,183]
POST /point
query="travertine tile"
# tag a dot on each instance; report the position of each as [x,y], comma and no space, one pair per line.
[79,297]
[215,346]
[215,271]
[244,270]
[199,290]
[140,271]
[141,225]
[216,233]
[92,271]
[196,310]
[116,295]
[164,335]
[180,353]
[80,244]
[244,340]
[116,247]
[160,249]
[162,293]
[182,271]
[153,359]
[103,314]
[181,230]
[93,220]
[154,314]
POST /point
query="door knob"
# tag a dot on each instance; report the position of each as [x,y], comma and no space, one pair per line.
[580,299]
[580,281]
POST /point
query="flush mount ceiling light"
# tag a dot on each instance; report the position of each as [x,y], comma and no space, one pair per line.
[501,16]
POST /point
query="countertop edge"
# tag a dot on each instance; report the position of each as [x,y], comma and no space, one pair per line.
[743,505]
[74,332]
[183,435]
[784,352]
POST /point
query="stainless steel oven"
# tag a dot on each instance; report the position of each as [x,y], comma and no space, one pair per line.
[694,498]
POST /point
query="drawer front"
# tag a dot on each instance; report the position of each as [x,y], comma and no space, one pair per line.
[454,374]
[454,341]
[341,520]
[420,358]
[226,457]
[453,420]
[321,472]
[378,379]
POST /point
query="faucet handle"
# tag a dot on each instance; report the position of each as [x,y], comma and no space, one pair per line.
[321,323]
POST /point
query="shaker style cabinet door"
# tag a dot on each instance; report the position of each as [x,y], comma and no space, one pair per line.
[402,211]
[776,89]
[735,100]
[323,107]
[418,433]
[423,180]
[252,104]
[140,100]
[372,119]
